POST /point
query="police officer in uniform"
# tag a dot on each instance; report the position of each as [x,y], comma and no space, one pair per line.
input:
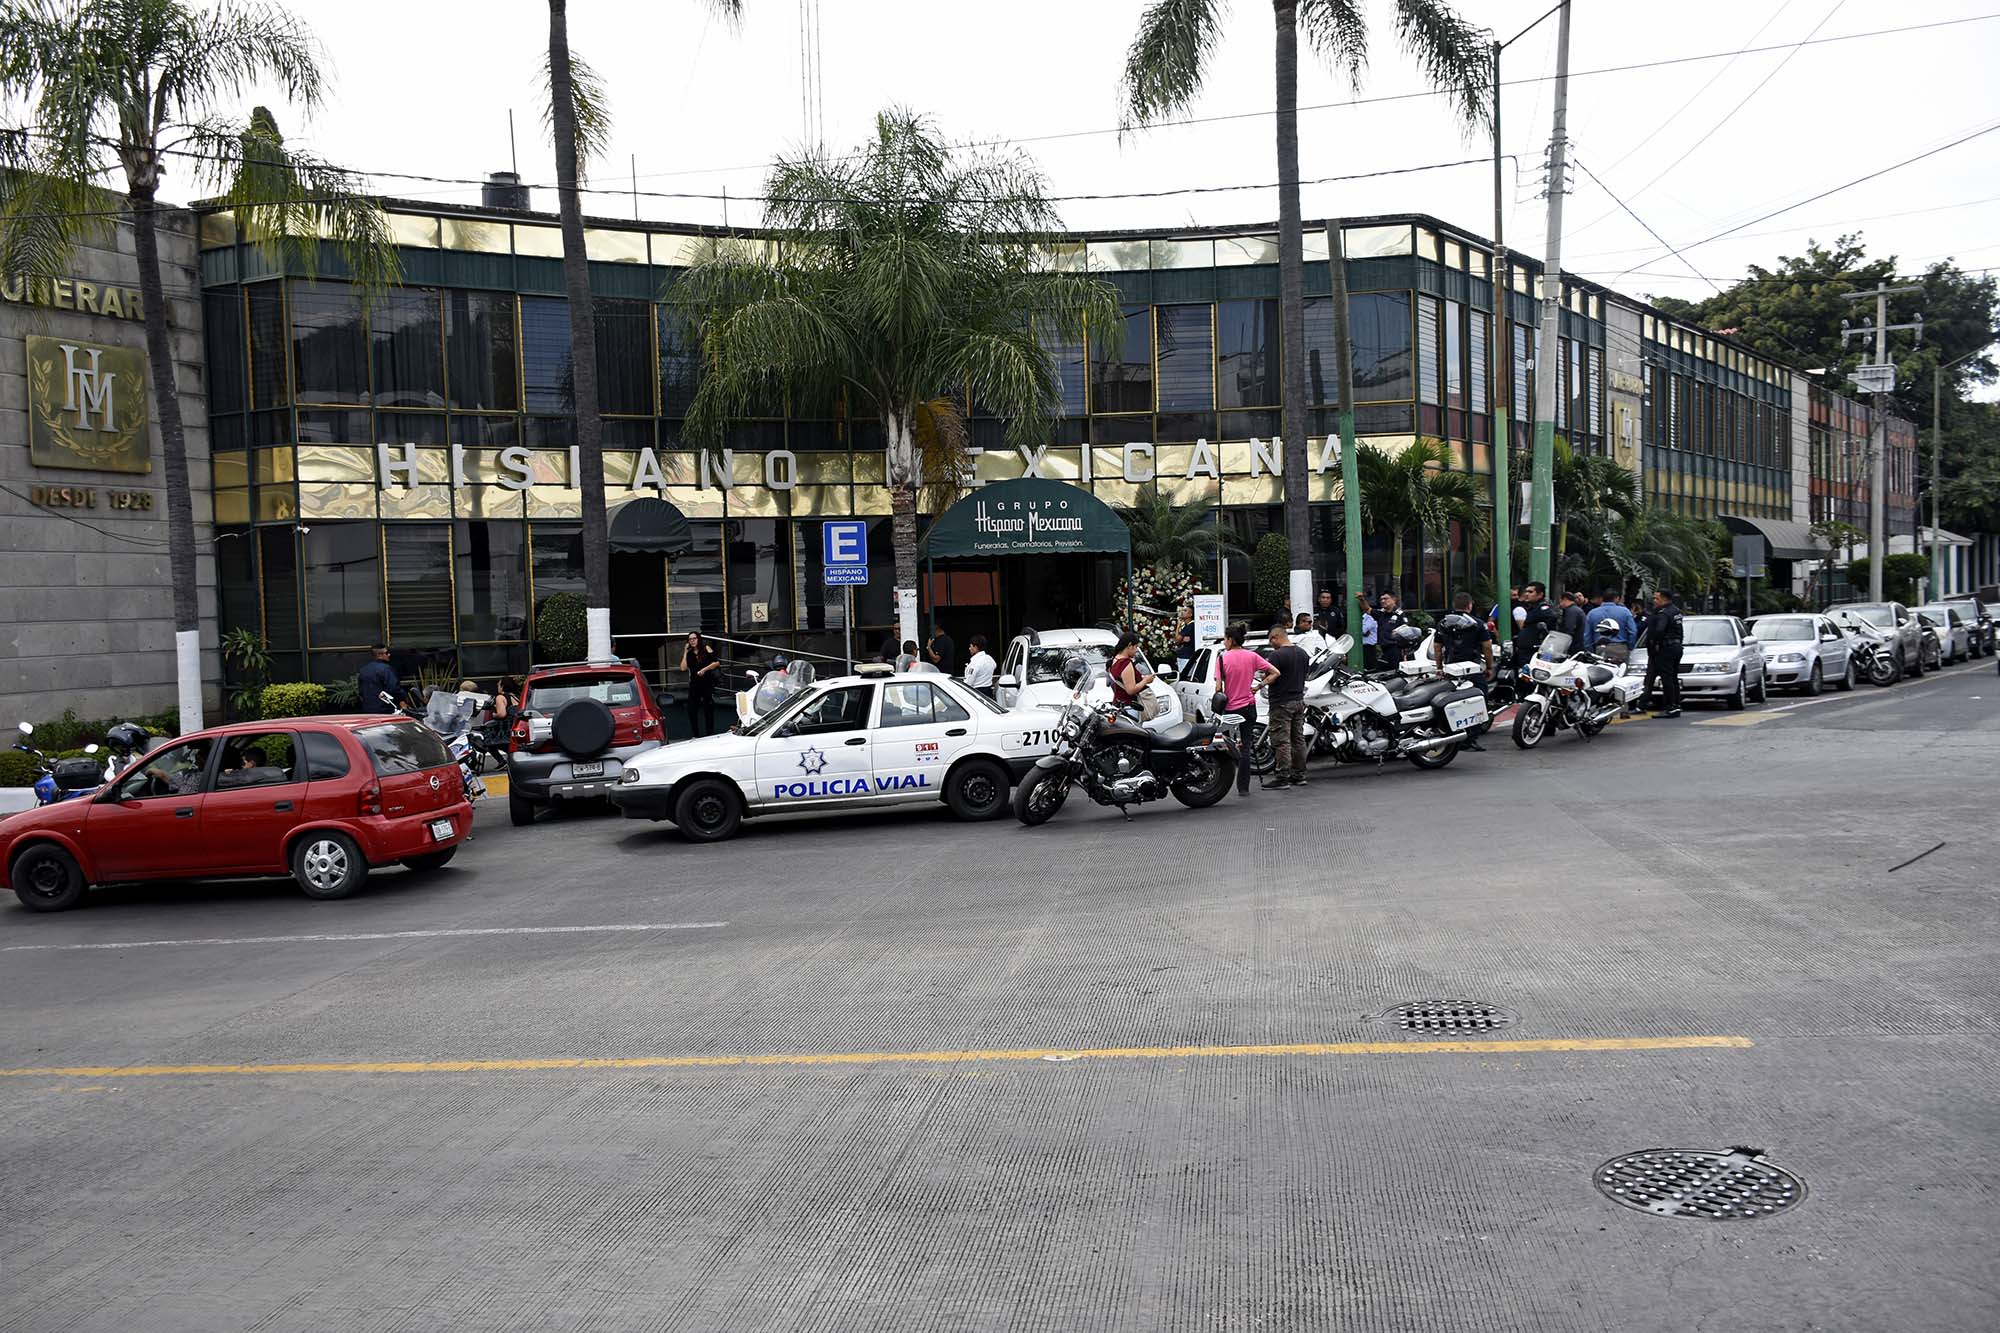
[1462,637]
[1389,618]
[1538,623]
[1664,635]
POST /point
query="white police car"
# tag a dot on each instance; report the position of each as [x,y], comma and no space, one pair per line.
[876,738]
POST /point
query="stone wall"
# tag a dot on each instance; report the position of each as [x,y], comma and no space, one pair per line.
[86,608]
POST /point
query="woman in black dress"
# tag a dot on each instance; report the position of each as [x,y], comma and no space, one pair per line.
[704,667]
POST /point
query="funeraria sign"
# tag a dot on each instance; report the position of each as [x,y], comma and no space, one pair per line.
[397,465]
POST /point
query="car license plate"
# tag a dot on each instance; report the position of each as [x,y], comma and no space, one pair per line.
[442,830]
[592,769]
[1463,713]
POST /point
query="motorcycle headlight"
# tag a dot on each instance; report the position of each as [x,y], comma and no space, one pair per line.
[1540,673]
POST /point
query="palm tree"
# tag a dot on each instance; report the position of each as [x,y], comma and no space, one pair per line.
[1659,548]
[579,121]
[1166,535]
[1589,487]
[904,276]
[121,89]
[1415,491]
[1164,69]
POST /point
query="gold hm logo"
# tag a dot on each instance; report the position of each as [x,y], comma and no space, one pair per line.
[88,390]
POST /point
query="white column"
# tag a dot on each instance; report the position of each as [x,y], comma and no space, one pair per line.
[187,672]
[597,632]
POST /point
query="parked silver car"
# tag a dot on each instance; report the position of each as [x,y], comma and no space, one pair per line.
[1905,631]
[1954,637]
[1805,651]
[1720,658]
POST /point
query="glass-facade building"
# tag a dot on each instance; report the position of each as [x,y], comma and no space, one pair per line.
[468,360]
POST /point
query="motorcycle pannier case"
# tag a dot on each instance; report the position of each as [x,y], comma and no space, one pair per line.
[1627,688]
[77,774]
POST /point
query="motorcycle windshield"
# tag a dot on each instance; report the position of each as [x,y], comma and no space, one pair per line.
[1555,646]
[450,714]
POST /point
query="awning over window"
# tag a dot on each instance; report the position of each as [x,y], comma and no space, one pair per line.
[1029,516]
[651,524]
[1787,540]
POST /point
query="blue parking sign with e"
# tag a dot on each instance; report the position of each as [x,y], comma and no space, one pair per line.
[844,553]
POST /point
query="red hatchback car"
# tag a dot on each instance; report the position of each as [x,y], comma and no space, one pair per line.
[321,798]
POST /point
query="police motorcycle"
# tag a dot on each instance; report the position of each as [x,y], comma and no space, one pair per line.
[1578,690]
[65,779]
[1417,712]
[1105,750]
[1870,651]
[449,714]
[768,692]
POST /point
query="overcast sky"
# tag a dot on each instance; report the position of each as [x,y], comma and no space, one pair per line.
[425,88]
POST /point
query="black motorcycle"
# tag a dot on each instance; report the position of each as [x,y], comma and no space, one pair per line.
[1871,655]
[1108,752]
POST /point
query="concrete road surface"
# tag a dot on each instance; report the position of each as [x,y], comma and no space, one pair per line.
[898,1072]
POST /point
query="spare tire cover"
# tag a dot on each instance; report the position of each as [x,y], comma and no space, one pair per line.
[582,728]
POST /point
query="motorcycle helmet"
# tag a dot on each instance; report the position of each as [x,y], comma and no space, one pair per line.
[129,737]
[1607,628]
[1458,620]
[1075,670]
[1408,636]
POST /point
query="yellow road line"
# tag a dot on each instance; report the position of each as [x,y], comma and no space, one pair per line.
[900,1057]
[1739,719]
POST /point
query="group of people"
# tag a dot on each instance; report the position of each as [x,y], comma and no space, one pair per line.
[1602,624]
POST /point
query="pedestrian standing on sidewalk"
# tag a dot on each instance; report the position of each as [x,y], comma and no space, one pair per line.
[1239,671]
[703,665]
[943,652]
[979,667]
[1284,675]
[1371,659]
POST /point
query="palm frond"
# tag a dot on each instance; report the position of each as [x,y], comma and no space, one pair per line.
[287,201]
[1337,30]
[943,442]
[226,49]
[1166,62]
[1455,56]
[592,103]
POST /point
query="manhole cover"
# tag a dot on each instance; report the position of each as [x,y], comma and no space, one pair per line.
[1453,1018]
[1725,1186]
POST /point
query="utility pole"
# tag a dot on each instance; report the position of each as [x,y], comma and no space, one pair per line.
[1877,379]
[1548,347]
[1503,389]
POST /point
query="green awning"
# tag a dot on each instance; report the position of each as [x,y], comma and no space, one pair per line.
[1030,516]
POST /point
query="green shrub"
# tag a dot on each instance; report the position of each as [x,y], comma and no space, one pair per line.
[1899,575]
[1270,575]
[17,769]
[343,696]
[296,699]
[560,629]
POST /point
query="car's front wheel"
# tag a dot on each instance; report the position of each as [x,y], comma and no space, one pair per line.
[1816,682]
[1763,688]
[977,790]
[1737,700]
[1847,677]
[47,879]
[708,810]
[328,865]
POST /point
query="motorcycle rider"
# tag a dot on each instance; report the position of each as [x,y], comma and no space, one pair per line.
[1664,635]
[1462,638]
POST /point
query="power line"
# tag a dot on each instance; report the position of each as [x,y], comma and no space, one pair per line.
[1649,230]
[1383,98]
[1806,226]
[1667,170]
[1847,185]
[759,198]
[1694,97]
